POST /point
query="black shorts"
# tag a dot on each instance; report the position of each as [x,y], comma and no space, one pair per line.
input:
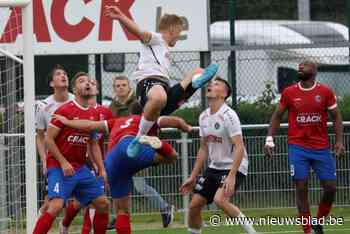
[212,180]
[176,95]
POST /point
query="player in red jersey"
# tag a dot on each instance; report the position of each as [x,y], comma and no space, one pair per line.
[73,206]
[121,168]
[66,161]
[308,103]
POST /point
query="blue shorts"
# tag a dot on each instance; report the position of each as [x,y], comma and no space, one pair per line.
[83,185]
[120,168]
[302,159]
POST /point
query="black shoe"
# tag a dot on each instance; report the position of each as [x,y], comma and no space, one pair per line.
[317,229]
[111,224]
[167,215]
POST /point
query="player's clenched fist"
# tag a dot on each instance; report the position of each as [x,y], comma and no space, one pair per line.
[113,12]
[67,169]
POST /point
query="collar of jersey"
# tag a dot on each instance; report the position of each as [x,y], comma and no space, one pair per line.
[309,89]
[79,106]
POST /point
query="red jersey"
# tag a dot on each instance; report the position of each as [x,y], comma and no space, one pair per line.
[307,114]
[72,143]
[123,126]
[104,113]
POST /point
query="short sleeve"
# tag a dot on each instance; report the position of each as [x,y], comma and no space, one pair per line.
[109,124]
[40,122]
[55,122]
[284,98]
[331,100]
[156,39]
[232,124]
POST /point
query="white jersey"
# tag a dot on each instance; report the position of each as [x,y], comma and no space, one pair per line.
[156,63]
[44,112]
[218,129]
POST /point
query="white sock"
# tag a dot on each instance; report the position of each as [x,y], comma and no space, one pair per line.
[248,227]
[145,126]
[92,212]
[194,231]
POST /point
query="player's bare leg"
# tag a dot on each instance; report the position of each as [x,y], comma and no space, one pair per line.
[231,210]
[195,214]
[325,206]
[100,221]
[303,202]
[122,209]
[44,206]
[71,210]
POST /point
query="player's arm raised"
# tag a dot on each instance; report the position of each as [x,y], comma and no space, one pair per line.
[274,126]
[174,122]
[52,133]
[202,156]
[82,124]
[115,13]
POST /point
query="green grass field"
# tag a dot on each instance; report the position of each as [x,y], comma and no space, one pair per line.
[150,224]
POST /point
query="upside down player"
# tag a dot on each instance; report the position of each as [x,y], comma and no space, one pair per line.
[74,207]
[67,173]
[308,103]
[119,167]
[153,72]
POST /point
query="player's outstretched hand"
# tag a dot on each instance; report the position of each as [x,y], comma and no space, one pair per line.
[60,118]
[67,168]
[339,149]
[269,145]
[188,186]
[229,185]
[113,12]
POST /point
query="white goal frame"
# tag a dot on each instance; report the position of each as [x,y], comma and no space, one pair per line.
[29,112]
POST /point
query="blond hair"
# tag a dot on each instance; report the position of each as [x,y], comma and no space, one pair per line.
[170,20]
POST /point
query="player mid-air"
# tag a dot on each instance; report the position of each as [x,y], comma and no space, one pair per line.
[153,72]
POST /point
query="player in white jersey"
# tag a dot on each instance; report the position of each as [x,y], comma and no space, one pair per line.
[153,72]
[222,142]
[44,110]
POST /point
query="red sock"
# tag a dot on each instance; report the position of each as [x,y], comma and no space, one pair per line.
[166,149]
[122,224]
[43,224]
[306,225]
[323,210]
[87,222]
[100,222]
[69,214]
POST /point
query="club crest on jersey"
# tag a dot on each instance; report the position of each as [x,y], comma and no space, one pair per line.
[217,125]
[318,98]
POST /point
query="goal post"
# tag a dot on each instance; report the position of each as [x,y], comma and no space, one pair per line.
[27,80]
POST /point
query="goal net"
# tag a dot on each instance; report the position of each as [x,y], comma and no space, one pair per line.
[17,155]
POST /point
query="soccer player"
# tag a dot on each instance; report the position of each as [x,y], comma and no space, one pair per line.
[153,71]
[222,142]
[123,99]
[74,207]
[121,168]
[308,103]
[59,83]
[67,173]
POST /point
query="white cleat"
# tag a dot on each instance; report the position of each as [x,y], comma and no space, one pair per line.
[152,141]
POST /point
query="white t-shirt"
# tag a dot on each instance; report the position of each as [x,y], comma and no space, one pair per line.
[218,129]
[148,65]
[45,110]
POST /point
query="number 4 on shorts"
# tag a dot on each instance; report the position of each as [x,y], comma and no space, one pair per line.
[56,189]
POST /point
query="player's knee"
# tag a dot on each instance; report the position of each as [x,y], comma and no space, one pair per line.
[220,201]
[195,207]
[102,205]
[55,206]
[329,192]
[157,96]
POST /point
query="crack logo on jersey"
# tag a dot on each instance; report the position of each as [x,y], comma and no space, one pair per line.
[318,98]
[309,118]
[216,125]
[78,139]
[214,139]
